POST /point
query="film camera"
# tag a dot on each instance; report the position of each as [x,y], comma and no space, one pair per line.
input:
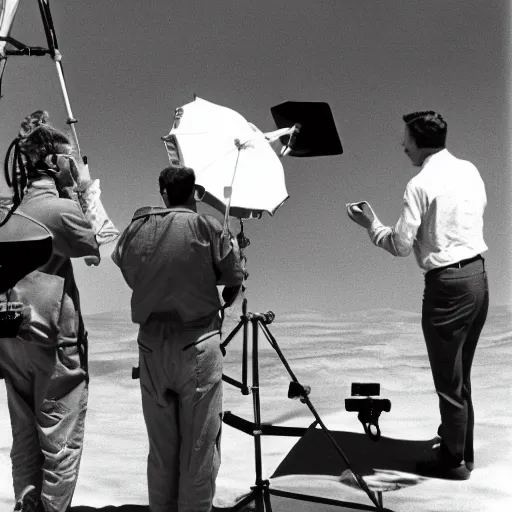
[368,409]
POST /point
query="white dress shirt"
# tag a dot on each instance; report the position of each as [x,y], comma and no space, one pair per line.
[442,218]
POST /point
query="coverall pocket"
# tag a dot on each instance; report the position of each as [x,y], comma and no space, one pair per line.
[69,356]
[67,374]
[52,414]
[208,360]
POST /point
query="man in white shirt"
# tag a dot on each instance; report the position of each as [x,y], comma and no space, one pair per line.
[442,222]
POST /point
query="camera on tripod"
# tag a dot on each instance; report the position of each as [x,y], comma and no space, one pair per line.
[368,409]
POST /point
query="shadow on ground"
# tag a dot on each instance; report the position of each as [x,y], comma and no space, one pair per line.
[382,463]
[111,508]
[386,464]
[278,505]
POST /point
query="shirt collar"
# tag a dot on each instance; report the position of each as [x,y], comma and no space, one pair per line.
[159,210]
[42,185]
[436,156]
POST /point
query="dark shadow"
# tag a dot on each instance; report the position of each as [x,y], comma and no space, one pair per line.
[111,508]
[314,454]
[278,503]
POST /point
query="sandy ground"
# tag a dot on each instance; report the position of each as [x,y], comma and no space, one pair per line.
[327,352]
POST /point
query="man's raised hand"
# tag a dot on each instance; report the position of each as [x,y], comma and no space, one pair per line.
[361,213]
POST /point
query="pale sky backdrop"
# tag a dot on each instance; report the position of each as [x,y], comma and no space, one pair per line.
[129,64]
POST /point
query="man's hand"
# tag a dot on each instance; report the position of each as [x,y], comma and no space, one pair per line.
[68,172]
[63,174]
[361,214]
[82,170]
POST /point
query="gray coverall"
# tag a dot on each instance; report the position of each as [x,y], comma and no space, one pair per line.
[45,366]
[173,260]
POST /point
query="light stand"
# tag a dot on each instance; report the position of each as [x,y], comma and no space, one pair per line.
[260,493]
[53,51]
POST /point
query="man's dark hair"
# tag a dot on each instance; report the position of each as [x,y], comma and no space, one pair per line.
[428,128]
[178,182]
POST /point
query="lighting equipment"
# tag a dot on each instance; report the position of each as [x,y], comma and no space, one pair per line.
[251,325]
[243,177]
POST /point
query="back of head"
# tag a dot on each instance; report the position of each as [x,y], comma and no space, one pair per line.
[428,128]
[178,182]
[42,141]
[25,158]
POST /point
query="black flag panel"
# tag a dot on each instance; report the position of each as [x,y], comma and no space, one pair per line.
[317,135]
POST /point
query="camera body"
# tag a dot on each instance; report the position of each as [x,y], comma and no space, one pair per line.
[368,409]
[365,389]
[366,404]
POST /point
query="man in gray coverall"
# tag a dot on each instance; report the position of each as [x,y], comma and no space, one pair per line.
[173,259]
[45,365]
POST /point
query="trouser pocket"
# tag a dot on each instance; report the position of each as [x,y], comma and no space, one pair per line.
[208,360]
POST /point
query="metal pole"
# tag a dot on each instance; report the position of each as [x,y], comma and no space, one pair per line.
[71,120]
[256,400]
[51,38]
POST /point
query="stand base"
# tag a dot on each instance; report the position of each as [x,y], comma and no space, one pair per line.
[261,496]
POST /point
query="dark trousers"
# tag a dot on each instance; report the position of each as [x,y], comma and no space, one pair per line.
[455,305]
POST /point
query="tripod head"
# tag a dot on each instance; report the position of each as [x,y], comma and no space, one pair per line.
[242,240]
[243,243]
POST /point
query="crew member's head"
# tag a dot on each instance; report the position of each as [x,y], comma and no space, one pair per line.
[47,151]
[425,134]
[39,150]
[177,186]
[42,142]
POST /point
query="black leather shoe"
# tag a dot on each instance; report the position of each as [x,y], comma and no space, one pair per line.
[435,469]
[436,446]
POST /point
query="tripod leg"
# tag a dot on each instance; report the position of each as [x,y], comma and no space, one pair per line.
[266,497]
[307,401]
[244,322]
[259,502]
[245,341]
[256,402]
[232,334]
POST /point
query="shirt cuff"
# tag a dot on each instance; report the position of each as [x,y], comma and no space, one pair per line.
[376,225]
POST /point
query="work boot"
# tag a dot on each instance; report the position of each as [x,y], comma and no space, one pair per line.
[29,500]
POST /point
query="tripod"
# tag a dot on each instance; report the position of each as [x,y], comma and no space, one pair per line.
[260,493]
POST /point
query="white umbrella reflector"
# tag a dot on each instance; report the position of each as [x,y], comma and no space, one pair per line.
[227,151]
